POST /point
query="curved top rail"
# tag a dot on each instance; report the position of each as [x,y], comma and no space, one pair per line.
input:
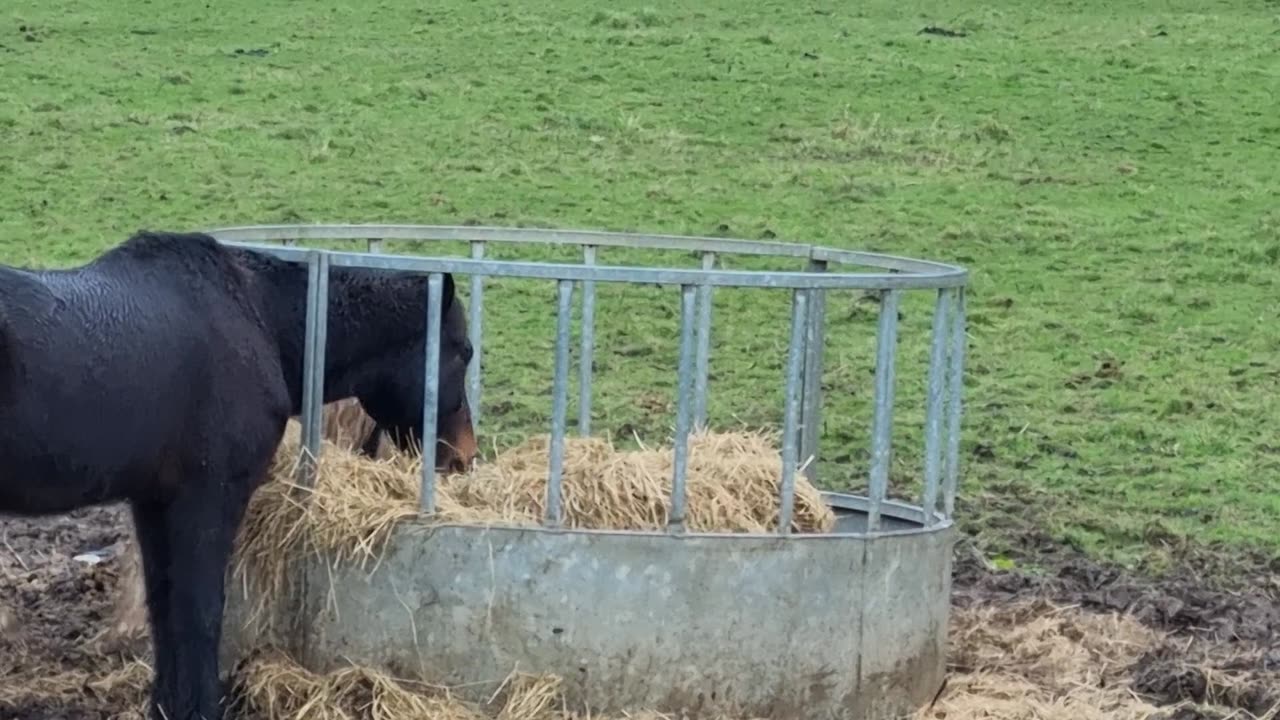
[904,272]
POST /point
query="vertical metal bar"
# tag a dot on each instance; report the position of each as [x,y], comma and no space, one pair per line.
[684,381]
[375,245]
[955,387]
[703,361]
[313,363]
[308,342]
[431,392]
[559,404]
[791,413]
[476,321]
[882,424]
[815,347]
[586,358]
[934,397]
[314,341]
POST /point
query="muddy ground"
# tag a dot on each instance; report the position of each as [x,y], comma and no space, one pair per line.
[1219,643]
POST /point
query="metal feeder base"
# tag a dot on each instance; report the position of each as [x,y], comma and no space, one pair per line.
[842,625]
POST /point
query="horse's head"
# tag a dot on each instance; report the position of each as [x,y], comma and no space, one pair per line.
[397,408]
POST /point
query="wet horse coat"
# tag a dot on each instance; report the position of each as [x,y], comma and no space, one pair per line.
[160,374]
[377,318]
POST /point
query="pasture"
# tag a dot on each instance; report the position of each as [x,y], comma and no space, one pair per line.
[1107,172]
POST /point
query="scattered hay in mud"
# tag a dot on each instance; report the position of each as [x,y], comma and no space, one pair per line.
[1179,672]
[1024,661]
[1035,661]
[124,688]
[733,484]
[275,687]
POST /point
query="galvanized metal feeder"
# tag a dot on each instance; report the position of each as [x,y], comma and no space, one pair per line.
[847,625]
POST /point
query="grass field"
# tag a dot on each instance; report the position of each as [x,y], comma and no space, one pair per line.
[1108,172]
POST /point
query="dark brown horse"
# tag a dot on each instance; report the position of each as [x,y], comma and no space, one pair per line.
[162,374]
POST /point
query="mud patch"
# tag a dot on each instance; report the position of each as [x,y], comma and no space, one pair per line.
[50,663]
[1218,642]
[1074,640]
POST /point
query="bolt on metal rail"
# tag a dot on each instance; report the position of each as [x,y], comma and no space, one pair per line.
[803,367]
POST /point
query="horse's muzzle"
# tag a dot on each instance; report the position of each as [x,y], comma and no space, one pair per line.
[456,449]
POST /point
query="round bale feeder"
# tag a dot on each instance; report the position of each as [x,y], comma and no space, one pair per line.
[847,624]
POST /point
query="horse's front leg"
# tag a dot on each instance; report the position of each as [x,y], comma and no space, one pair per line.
[202,524]
[151,526]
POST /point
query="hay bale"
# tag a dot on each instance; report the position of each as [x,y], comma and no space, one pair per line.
[733,485]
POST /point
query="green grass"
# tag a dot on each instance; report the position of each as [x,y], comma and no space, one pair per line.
[1108,172]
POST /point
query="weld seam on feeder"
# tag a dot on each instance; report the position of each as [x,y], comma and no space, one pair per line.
[684,381]
[431,391]
[791,412]
[703,361]
[587,355]
[934,397]
[559,404]
[476,332]
[882,424]
[313,365]
[955,378]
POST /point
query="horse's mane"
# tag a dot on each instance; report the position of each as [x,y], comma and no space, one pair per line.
[276,271]
[193,249]
[200,255]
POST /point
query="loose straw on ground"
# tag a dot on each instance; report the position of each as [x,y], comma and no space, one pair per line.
[1030,661]
[1038,662]
[124,688]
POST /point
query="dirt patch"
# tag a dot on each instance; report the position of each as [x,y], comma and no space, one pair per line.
[1219,642]
[50,663]
[1075,640]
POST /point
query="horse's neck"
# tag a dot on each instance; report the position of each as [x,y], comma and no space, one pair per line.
[352,353]
[367,325]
